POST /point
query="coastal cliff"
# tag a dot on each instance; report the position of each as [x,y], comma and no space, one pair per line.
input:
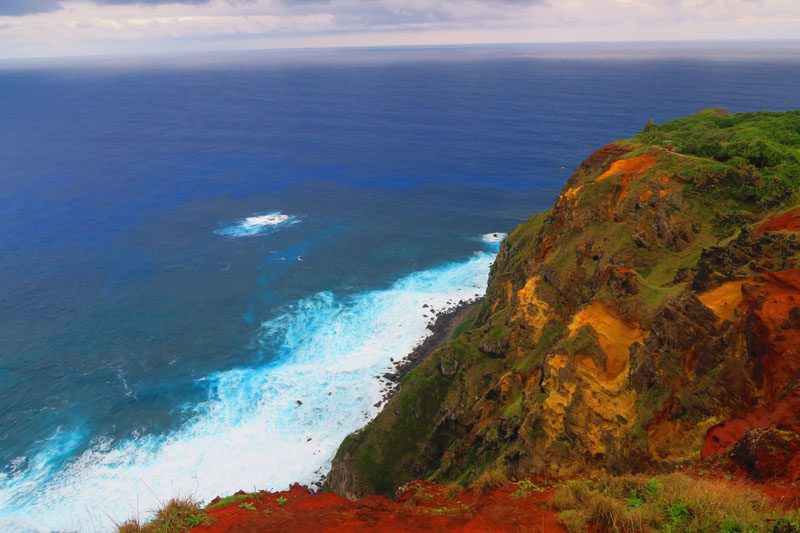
[649,319]
[634,365]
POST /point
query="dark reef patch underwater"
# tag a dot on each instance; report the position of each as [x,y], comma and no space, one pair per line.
[188,248]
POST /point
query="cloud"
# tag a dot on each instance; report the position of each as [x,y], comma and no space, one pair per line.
[78,27]
[18,8]
[148,2]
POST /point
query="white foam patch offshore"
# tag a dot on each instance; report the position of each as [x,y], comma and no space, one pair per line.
[252,432]
[258,225]
[493,238]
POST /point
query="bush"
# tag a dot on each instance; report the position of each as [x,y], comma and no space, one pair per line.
[177,516]
[489,481]
[670,503]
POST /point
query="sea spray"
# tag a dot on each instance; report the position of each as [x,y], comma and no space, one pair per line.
[257,225]
[266,426]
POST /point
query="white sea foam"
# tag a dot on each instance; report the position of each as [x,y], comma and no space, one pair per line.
[251,432]
[258,225]
[494,237]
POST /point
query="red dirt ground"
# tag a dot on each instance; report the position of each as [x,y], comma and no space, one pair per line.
[629,170]
[784,495]
[788,221]
[784,413]
[419,506]
[422,506]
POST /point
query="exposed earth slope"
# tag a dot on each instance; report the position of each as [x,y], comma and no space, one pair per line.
[650,319]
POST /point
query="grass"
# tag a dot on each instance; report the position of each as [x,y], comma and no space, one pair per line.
[489,481]
[526,487]
[281,501]
[177,516]
[453,489]
[552,331]
[227,500]
[669,504]
[769,142]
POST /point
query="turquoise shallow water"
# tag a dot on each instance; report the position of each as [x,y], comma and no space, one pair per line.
[189,246]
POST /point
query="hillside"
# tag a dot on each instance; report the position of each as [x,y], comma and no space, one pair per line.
[650,319]
[634,365]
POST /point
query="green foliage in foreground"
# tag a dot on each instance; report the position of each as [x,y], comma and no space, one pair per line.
[177,516]
[669,504]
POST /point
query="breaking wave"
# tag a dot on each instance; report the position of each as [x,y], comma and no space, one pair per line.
[264,426]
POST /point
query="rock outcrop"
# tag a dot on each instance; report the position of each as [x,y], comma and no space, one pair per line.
[651,318]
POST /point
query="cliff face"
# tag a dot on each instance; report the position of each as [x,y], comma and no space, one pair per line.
[650,318]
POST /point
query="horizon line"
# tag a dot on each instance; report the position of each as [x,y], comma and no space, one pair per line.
[367,47]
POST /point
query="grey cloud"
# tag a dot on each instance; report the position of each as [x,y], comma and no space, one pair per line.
[148,2]
[367,9]
[18,8]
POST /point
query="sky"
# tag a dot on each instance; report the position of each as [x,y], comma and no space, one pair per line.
[51,28]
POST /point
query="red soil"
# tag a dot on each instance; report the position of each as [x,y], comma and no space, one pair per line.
[784,413]
[771,307]
[774,304]
[628,170]
[419,506]
[788,221]
[786,496]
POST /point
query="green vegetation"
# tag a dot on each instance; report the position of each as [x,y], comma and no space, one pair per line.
[761,152]
[551,333]
[248,506]
[177,516]
[281,501]
[489,481]
[526,487]
[233,498]
[668,503]
[521,242]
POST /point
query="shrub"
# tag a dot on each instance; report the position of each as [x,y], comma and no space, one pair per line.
[453,489]
[131,525]
[670,503]
[490,480]
[633,501]
[526,487]
[177,515]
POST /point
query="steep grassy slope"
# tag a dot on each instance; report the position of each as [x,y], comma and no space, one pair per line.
[650,318]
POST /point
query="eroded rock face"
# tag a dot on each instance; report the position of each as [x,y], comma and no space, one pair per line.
[646,318]
[769,453]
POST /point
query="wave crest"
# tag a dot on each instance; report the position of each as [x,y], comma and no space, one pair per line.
[265,426]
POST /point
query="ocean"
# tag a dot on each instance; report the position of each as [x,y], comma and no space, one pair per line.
[208,261]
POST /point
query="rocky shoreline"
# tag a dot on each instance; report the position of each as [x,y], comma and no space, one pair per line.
[442,327]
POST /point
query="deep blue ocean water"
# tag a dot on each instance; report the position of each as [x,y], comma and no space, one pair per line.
[190,245]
